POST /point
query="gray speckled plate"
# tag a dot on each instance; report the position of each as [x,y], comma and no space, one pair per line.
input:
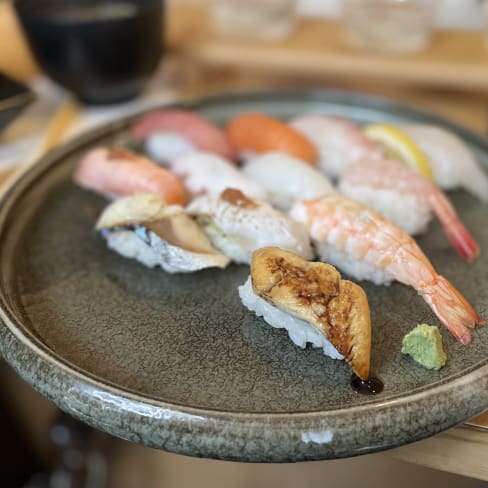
[175,362]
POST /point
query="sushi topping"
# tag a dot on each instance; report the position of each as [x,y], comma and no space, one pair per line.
[117,153]
[315,293]
[237,199]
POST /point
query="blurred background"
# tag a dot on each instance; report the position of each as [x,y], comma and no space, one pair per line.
[78,64]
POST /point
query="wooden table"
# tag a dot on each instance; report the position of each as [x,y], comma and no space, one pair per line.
[450,78]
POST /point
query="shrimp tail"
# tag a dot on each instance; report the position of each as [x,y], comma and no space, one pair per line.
[452,309]
[456,232]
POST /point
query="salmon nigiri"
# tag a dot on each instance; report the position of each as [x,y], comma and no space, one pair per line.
[118,172]
[257,133]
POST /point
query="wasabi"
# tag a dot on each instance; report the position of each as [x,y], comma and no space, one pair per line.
[424,344]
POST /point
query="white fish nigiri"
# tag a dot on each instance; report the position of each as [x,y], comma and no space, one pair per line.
[145,228]
[207,173]
[237,225]
[452,163]
[339,141]
[287,179]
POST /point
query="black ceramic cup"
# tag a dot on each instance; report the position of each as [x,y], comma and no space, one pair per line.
[103,51]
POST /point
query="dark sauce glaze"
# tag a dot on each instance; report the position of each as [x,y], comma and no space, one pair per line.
[371,386]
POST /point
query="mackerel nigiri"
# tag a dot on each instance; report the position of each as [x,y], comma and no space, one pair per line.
[145,228]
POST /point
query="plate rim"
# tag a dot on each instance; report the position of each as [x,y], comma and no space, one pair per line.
[12,332]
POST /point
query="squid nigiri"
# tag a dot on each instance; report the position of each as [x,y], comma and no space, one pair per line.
[339,142]
[313,303]
[362,243]
[287,179]
[145,228]
[238,225]
[407,199]
[257,133]
[452,163]
[177,132]
[118,172]
[208,173]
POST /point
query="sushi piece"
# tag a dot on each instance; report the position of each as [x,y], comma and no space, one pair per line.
[145,228]
[207,173]
[238,225]
[363,244]
[451,161]
[117,172]
[287,179]
[339,142]
[407,199]
[313,303]
[196,134]
[257,134]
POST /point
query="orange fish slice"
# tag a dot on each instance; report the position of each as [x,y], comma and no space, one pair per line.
[259,133]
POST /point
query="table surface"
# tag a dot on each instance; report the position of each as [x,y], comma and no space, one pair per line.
[455,60]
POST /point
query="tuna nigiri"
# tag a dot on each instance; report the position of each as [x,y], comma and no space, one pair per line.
[362,243]
[118,172]
[176,132]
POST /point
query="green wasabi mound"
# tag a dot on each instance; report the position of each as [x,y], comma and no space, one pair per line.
[424,344]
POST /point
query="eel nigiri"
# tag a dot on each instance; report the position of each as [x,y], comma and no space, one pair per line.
[452,163]
[287,179]
[362,243]
[258,133]
[145,228]
[407,199]
[313,303]
[339,141]
[118,172]
[238,225]
[208,173]
[177,132]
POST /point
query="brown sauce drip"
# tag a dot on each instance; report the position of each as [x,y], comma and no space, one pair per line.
[119,153]
[237,198]
[371,386]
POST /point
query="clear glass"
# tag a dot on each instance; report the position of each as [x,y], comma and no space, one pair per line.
[270,20]
[389,26]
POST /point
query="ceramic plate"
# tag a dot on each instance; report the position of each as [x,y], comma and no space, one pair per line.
[176,362]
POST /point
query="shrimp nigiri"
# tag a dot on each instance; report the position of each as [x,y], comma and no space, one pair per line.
[118,172]
[208,173]
[451,161]
[365,245]
[339,141]
[177,132]
[257,133]
[406,198]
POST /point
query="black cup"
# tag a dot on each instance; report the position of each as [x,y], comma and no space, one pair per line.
[102,51]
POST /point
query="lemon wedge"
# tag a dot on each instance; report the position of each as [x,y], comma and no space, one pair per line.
[399,146]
